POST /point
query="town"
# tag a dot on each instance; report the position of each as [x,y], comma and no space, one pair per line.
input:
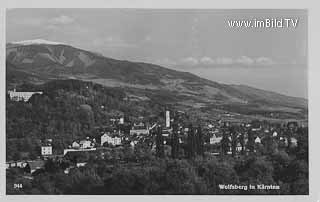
[174,138]
[69,130]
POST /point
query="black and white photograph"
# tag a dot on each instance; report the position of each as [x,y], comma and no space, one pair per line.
[132,101]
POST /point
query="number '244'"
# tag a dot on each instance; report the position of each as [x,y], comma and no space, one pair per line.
[17,186]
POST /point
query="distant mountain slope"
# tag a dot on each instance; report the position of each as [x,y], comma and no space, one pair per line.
[40,62]
[275,98]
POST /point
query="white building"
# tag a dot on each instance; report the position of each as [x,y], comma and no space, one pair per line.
[256,129]
[75,145]
[133,143]
[32,166]
[21,96]
[121,120]
[238,147]
[275,134]
[46,150]
[215,140]
[84,144]
[167,118]
[81,164]
[110,140]
[139,129]
[257,140]
[294,142]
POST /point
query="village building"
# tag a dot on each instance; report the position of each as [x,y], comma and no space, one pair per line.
[133,143]
[121,120]
[275,134]
[294,142]
[256,129]
[107,138]
[139,129]
[215,140]
[15,164]
[238,147]
[81,164]
[12,164]
[166,132]
[46,150]
[181,141]
[85,144]
[67,170]
[257,140]
[32,166]
[75,144]
[21,96]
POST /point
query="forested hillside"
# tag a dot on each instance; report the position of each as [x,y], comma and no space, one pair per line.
[66,111]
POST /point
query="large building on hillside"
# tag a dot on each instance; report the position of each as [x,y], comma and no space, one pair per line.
[110,140]
[139,129]
[46,147]
[46,150]
[21,96]
[32,166]
[215,140]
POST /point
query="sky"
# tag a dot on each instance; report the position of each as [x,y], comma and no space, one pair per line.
[196,41]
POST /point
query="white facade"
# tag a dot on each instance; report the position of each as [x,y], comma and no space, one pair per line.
[239,147]
[139,131]
[110,140]
[121,120]
[215,140]
[84,144]
[275,134]
[46,150]
[81,164]
[21,96]
[294,142]
[257,140]
[167,118]
[75,145]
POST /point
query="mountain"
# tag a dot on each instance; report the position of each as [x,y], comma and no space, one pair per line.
[38,61]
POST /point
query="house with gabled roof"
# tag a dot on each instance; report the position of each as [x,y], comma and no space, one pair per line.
[32,166]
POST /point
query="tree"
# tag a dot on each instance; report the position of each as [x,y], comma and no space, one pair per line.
[200,141]
[255,170]
[242,142]
[225,142]
[302,144]
[280,161]
[159,142]
[250,143]
[191,142]
[234,141]
[214,173]
[175,141]
[51,166]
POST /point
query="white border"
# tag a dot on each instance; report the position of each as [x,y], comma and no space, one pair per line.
[314,96]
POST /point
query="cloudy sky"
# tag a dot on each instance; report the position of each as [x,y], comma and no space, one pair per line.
[198,41]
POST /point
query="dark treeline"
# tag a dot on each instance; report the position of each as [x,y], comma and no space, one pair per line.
[140,172]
